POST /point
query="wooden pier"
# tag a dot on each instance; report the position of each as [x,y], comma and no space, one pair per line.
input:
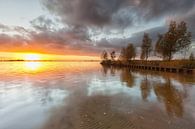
[154,66]
[163,69]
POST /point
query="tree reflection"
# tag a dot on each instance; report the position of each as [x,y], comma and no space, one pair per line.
[166,92]
[145,88]
[171,97]
[112,71]
[127,77]
[105,70]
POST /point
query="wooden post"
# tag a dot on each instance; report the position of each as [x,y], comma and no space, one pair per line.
[193,71]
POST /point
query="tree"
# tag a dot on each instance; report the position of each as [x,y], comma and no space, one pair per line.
[131,51]
[184,38]
[128,53]
[191,57]
[158,47]
[146,46]
[104,55]
[176,39]
[123,54]
[113,55]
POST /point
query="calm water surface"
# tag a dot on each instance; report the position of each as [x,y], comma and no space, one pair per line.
[65,95]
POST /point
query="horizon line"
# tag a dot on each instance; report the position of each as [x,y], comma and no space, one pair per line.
[20,60]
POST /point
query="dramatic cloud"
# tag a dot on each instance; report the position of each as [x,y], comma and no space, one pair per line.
[4,28]
[108,12]
[89,26]
[151,9]
[44,38]
[103,17]
[85,12]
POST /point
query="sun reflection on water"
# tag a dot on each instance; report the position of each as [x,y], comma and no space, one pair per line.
[32,66]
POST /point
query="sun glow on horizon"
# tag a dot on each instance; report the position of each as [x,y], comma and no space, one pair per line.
[32,57]
[40,56]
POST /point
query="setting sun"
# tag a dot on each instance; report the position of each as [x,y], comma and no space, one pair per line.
[32,57]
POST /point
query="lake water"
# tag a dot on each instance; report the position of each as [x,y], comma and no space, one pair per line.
[76,95]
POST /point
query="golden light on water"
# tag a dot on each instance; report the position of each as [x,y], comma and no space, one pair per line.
[42,69]
[32,66]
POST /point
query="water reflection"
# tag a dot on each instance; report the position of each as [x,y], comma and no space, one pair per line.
[33,66]
[127,77]
[117,106]
[110,69]
[28,90]
[105,70]
[171,97]
[145,88]
[167,91]
[51,95]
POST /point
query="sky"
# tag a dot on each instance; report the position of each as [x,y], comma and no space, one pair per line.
[86,27]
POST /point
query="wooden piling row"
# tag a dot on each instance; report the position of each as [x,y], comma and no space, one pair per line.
[161,66]
[162,69]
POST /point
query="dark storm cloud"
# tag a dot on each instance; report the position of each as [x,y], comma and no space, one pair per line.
[190,19]
[136,38]
[151,9]
[63,36]
[121,12]
[85,12]
[116,14]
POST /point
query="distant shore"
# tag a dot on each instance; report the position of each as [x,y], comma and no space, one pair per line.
[175,66]
[49,60]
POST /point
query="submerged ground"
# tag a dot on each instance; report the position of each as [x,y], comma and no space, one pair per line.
[65,95]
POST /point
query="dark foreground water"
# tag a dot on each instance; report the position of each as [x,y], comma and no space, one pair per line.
[36,95]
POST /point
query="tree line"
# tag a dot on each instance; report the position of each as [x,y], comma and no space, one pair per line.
[176,39]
